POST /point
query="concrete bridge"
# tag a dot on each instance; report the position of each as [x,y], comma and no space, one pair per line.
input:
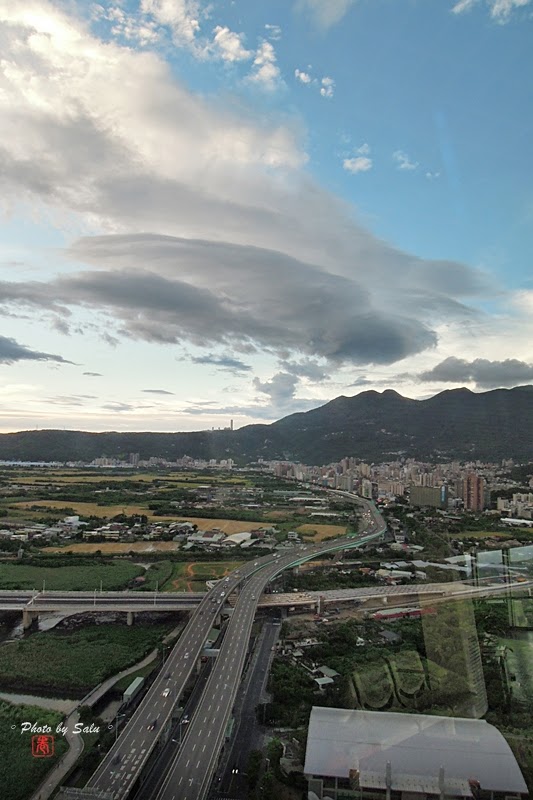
[32,603]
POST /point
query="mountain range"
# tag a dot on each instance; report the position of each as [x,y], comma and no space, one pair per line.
[456,424]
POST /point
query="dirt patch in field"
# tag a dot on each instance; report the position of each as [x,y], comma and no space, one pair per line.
[321,531]
[115,547]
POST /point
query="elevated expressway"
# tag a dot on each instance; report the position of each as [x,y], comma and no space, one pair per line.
[194,766]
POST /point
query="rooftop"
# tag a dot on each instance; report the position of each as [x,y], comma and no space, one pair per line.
[416,745]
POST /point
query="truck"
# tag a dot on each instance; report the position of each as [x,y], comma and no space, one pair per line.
[133,690]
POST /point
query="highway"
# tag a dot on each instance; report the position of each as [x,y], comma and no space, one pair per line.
[192,770]
[123,764]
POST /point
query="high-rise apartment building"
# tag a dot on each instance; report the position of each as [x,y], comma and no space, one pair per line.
[474,492]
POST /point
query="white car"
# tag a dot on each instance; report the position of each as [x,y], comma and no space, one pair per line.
[166,692]
[186,655]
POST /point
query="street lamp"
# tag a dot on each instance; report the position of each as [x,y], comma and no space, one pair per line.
[119,716]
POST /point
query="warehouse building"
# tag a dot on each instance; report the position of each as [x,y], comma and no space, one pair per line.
[360,754]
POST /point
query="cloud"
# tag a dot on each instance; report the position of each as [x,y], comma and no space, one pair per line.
[11,351]
[280,388]
[265,72]
[243,249]
[328,87]
[303,77]
[273,32]
[223,362]
[325,13]
[156,391]
[432,175]
[306,369]
[357,164]
[131,27]
[500,10]
[181,17]
[213,293]
[403,161]
[361,381]
[486,374]
[94,374]
[119,407]
[229,45]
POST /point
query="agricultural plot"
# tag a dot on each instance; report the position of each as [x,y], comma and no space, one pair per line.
[115,548]
[191,577]
[317,533]
[21,773]
[110,577]
[70,663]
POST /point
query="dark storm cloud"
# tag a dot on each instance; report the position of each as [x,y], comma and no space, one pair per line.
[156,391]
[209,293]
[306,369]
[11,351]
[223,362]
[486,374]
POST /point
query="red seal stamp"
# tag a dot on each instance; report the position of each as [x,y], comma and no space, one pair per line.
[42,746]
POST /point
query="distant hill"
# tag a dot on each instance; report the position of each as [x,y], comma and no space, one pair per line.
[454,424]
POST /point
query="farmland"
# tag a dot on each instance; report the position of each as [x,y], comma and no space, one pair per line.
[191,577]
[317,533]
[115,548]
[187,479]
[75,661]
[21,773]
[112,576]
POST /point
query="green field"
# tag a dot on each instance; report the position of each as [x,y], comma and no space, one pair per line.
[111,576]
[69,664]
[191,577]
[21,772]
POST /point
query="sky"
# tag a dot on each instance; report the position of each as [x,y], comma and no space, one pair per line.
[233,210]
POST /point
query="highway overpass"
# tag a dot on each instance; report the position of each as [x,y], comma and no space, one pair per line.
[152,721]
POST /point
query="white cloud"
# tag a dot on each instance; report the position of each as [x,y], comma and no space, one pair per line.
[303,77]
[229,45]
[432,175]
[364,150]
[325,13]
[265,71]
[273,32]
[357,164]
[222,238]
[500,10]
[327,88]
[403,161]
[132,27]
[182,17]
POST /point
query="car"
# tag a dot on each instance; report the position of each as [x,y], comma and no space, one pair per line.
[253,597]
[166,692]
[152,726]
[186,655]
[222,594]
[168,675]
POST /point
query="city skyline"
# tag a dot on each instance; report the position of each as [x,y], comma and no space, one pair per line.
[214,212]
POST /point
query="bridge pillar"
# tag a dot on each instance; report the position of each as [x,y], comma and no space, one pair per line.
[296,570]
[130,618]
[29,618]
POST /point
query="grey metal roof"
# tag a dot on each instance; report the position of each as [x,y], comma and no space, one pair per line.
[417,746]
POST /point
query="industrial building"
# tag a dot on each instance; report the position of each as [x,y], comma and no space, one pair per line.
[359,754]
